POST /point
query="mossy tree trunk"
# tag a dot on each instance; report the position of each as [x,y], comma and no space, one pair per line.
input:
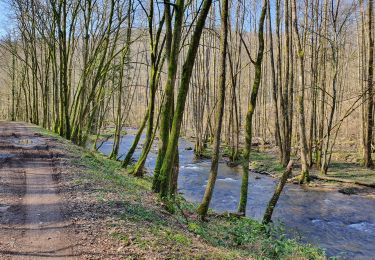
[78,106]
[203,208]
[169,159]
[95,71]
[173,41]
[155,67]
[138,135]
[279,188]
[250,112]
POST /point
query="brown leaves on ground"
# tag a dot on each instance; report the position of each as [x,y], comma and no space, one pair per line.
[113,223]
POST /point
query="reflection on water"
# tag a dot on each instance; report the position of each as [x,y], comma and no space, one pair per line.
[343,225]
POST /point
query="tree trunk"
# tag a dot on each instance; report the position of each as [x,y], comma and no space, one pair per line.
[279,188]
[168,162]
[370,100]
[250,112]
[203,208]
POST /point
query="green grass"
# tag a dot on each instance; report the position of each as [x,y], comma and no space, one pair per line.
[350,171]
[144,223]
[265,161]
[362,175]
[238,236]
[347,164]
[260,160]
[249,237]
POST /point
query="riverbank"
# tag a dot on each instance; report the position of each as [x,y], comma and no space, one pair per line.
[137,220]
[345,174]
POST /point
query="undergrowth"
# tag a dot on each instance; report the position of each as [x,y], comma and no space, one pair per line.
[182,234]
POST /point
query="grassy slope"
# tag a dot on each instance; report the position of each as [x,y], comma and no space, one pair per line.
[149,231]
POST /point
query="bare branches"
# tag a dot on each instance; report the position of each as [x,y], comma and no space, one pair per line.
[247,49]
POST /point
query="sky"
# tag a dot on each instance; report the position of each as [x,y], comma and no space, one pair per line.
[4,19]
[6,22]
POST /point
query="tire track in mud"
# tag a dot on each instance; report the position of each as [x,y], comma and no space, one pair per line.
[32,223]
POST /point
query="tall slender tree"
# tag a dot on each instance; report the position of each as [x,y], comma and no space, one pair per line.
[370,96]
[251,109]
[202,209]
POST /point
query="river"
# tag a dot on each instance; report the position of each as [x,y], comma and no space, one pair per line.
[340,224]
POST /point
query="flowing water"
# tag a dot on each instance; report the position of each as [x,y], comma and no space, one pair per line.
[343,225]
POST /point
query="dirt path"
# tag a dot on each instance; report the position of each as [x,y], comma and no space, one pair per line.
[32,222]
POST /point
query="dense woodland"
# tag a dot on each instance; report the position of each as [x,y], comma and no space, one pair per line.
[230,74]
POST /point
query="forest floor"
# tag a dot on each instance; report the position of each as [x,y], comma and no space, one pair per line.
[345,174]
[62,201]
